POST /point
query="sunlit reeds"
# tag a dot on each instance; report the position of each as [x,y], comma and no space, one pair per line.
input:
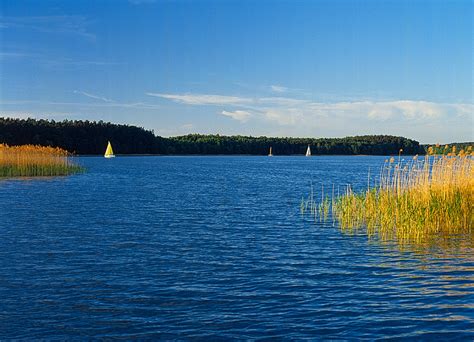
[34,161]
[413,201]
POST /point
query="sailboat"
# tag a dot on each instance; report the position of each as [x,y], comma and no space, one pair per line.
[308,152]
[109,153]
[270,154]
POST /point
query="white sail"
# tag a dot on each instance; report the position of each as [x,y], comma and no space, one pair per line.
[270,154]
[308,152]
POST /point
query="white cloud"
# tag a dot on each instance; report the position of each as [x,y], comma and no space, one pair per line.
[288,111]
[278,89]
[62,24]
[92,96]
[56,61]
[287,117]
[422,120]
[42,115]
[416,110]
[68,62]
[239,115]
[283,101]
[137,105]
[203,99]
[187,127]
[4,54]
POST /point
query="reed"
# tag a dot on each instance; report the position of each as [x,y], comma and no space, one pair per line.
[413,201]
[35,161]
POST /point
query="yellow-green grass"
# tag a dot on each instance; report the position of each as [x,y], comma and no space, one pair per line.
[35,161]
[418,201]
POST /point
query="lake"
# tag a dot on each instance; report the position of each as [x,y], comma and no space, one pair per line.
[215,248]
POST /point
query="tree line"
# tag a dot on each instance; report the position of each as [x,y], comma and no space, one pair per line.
[90,137]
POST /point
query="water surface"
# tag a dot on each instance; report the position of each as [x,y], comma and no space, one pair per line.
[215,248]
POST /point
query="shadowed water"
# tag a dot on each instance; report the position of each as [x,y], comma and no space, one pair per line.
[215,248]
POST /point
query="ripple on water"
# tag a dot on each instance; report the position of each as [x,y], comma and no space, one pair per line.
[214,248]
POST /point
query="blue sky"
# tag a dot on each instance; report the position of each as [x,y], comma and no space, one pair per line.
[278,68]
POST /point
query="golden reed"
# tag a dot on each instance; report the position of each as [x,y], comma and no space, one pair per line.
[34,161]
[415,201]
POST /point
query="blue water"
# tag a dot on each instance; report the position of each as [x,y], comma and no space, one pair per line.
[215,248]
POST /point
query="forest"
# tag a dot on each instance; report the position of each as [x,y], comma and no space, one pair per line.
[90,138]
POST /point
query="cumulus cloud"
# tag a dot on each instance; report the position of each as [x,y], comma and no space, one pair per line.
[288,112]
[239,115]
[417,110]
[345,117]
[285,117]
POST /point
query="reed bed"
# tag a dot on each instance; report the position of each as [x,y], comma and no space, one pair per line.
[35,161]
[415,201]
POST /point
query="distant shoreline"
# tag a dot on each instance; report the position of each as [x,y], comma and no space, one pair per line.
[92,137]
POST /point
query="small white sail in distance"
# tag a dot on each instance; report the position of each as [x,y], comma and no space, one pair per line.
[270,154]
[109,152]
[308,152]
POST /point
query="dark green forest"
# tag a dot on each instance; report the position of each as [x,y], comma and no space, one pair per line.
[90,137]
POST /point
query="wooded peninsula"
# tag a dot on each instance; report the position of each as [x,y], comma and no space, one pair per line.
[90,138]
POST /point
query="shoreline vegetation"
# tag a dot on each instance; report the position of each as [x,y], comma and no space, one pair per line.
[35,161]
[425,199]
[90,138]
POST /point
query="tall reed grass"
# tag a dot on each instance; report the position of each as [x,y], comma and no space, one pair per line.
[415,201]
[34,161]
